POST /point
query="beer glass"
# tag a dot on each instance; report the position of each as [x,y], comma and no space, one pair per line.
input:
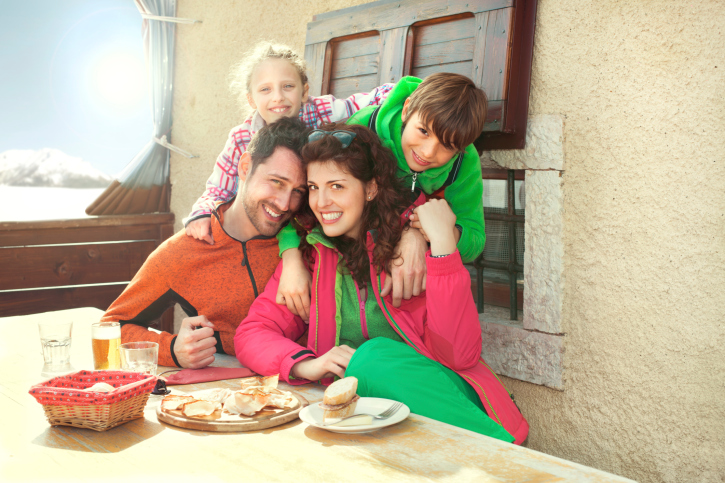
[106,338]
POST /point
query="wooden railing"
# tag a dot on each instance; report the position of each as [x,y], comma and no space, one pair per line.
[64,264]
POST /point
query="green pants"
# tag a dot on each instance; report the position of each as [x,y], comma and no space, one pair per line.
[393,370]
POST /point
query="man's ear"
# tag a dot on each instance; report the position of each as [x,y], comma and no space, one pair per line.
[305,93]
[245,166]
[371,190]
[404,114]
[251,102]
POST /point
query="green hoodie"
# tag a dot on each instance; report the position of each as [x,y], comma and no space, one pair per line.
[464,195]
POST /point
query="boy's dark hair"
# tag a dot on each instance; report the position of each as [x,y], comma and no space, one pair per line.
[452,107]
[286,132]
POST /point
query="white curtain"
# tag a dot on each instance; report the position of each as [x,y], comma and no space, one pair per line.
[142,186]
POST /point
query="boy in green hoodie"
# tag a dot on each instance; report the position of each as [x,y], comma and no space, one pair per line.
[430,126]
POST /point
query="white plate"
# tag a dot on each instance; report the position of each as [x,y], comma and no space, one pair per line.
[312,415]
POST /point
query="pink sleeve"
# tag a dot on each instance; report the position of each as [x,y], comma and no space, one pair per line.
[452,330]
[224,180]
[265,340]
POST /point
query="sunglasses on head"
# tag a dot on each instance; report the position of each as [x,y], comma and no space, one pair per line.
[345,137]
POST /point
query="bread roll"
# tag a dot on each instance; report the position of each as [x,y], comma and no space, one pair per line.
[340,391]
[340,400]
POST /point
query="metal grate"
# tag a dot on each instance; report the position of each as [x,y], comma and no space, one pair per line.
[503,256]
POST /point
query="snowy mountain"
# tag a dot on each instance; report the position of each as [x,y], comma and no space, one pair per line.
[48,167]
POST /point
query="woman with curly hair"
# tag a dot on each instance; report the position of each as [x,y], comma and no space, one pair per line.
[425,353]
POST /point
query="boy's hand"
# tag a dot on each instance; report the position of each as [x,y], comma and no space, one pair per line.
[438,220]
[408,271]
[195,345]
[201,229]
[295,284]
[332,363]
[415,223]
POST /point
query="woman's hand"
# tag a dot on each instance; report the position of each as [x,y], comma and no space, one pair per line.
[439,224]
[201,229]
[407,276]
[295,283]
[332,363]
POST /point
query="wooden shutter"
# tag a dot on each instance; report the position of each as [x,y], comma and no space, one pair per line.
[354,64]
[491,41]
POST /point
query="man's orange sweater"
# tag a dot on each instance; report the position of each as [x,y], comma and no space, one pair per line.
[219,281]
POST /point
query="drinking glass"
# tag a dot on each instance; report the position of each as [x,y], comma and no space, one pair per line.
[55,339]
[140,357]
[106,338]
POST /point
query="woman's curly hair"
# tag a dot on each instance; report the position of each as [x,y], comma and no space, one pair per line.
[366,159]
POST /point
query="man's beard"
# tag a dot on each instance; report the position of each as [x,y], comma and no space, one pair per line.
[258,219]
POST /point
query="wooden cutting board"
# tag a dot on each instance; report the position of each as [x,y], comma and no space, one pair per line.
[224,422]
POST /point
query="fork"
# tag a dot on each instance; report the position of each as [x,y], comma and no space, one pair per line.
[383,415]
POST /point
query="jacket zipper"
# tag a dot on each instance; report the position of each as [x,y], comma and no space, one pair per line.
[363,320]
[245,262]
[415,177]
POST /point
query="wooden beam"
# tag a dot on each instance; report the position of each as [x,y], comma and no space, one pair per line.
[94,221]
[496,54]
[346,87]
[460,50]
[315,59]
[36,301]
[355,66]
[58,265]
[392,55]
[50,236]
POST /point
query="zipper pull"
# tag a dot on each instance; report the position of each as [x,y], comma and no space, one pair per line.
[415,177]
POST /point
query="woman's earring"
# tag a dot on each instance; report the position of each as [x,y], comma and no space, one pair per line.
[370,197]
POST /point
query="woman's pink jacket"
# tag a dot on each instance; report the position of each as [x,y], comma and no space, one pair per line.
[442,324]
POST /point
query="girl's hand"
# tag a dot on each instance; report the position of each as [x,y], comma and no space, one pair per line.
[295,284]
[200,229]
[439,224]
[332,363]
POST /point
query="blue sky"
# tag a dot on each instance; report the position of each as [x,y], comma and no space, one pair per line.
[72,78]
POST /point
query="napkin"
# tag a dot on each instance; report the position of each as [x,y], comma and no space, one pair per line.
[206,374]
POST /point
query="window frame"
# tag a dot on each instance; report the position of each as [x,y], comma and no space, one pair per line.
[515,294]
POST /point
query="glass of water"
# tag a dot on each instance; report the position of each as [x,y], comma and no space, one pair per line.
[140,357]
[55,342]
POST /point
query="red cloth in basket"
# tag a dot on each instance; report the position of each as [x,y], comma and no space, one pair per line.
[64,390]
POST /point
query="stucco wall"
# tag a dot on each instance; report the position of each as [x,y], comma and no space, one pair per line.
[640,87]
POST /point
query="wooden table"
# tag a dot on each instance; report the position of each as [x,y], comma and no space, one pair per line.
[414,450]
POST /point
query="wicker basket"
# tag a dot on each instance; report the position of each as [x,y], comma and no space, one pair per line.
[67,404]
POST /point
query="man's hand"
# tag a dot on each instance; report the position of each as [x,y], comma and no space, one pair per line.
[332,363]
[295,284]
[408,275]
[195,345]
[201,229]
